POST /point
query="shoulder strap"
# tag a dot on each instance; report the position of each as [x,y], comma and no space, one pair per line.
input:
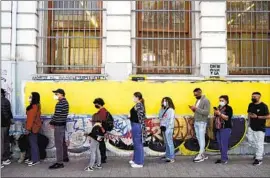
[165,112]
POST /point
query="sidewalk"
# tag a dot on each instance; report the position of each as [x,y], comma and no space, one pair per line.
[239,166]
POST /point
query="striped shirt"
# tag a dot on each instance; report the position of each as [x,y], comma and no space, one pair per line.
[61,112]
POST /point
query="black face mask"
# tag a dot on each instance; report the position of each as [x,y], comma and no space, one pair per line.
[198,97]
[254,100]
[97,106]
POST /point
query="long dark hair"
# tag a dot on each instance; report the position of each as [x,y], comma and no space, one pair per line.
[170,102]
[35,100]
[139,95]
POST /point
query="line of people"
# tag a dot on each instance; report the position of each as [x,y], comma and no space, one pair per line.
[257,114]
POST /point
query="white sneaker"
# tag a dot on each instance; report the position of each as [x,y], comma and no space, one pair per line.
[205,157]
[198,158]
[131,162]
[136,165]
[7,162]
[33,163]
[2,166]
[27,161]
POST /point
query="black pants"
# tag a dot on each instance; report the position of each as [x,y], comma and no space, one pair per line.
[102,148]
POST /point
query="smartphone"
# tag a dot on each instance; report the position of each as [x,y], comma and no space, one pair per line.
[215,108]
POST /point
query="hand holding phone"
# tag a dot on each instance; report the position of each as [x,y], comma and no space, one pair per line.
[215,108]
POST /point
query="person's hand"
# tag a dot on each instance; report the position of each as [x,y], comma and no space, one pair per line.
[253,116]
[51,126]
[193,108]
[217,112]
[27,132]
[67,143]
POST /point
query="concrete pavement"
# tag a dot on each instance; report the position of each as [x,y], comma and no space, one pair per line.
[239,166]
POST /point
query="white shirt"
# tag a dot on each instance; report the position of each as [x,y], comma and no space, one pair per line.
[197,104]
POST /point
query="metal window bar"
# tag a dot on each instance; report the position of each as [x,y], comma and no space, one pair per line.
[248,29]
[73,37]
[164,37]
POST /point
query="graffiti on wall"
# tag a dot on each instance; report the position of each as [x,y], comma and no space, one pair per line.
[6,83]
[119,140]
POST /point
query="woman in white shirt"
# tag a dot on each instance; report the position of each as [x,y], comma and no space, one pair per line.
[167,116]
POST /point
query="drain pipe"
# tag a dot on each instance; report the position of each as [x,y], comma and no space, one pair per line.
[13,56]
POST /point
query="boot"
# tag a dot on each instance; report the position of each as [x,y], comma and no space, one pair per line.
[22,157]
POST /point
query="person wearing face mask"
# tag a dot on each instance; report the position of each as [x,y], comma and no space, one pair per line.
[58,122]
[223,126]
[201,112]
[257,114]
[33,125]
[102,114]
[167,116]
[137,117]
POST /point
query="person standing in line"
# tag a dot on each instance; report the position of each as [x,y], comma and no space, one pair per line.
[6,121]
[96,136]
[223,126]
[167,116]
[201,112]
[257,114]
[102,115]
[33,125]
[58,122]
[137,117]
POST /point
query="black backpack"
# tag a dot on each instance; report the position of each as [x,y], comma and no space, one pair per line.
[108,123]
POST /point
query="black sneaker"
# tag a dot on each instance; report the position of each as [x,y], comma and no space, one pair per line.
[257,162]
[56,166]
[221,162]
[97,166]
[170,161]
[66,160]
[103,161]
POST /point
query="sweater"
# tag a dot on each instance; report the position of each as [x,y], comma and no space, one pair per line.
[61,113]
[203,109]
[97,132]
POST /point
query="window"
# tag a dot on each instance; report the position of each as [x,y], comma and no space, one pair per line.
[163,37]
[248,37]
[75,36]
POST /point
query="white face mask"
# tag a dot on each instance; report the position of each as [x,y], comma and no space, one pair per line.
[55,97]
[164,103]
[222,104]
[29,100]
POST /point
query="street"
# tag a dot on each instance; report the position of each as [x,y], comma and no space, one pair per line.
[239,166]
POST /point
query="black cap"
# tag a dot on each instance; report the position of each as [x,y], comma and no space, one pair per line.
[59,90]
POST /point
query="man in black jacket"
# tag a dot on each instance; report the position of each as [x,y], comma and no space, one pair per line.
[6,117]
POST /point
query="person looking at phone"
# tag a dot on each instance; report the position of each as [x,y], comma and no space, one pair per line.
[223,126]
[201,112]
[257,114]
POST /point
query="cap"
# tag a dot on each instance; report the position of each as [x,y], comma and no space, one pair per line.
[59,90]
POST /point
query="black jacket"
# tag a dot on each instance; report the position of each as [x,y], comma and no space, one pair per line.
[6,114]
[97,131]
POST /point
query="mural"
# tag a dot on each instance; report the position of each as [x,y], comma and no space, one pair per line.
[119,139]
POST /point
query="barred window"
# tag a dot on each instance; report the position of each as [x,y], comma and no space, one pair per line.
[75,36]
[163,37]
[248,37]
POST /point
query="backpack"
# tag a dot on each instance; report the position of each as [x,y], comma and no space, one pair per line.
[108,123]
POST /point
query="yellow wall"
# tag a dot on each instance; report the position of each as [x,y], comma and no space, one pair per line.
[118,96]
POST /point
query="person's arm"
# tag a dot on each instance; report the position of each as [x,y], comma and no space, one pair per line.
[140,112]
[170,117]
[6,109]
[31,116]
[267,115]
[206,108]
[228,114]
[57,112]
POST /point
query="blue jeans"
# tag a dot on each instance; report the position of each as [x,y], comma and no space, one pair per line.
[33,139]
[200,129]
[169,143]
[223,136]
[138,155]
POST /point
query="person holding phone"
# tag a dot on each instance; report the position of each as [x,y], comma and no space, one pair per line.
[257,114]
[201,112]
[223,126]
[167,116]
